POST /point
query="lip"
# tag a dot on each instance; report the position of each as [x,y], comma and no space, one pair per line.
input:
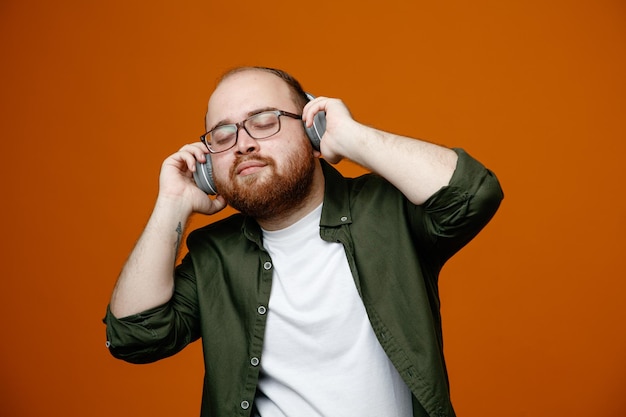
[249,167]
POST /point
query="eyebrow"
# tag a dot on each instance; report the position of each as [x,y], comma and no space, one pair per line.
[249,114]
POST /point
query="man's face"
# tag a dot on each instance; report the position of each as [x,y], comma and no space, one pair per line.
[266,177]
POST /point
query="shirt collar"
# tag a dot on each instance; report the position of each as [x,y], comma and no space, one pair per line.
[335,211]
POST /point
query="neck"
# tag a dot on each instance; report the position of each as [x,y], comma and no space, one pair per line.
[298,211]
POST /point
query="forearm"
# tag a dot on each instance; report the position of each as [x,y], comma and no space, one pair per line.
[417,168]
[147,278]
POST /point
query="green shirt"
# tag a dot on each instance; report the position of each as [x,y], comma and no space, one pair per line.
[395,250]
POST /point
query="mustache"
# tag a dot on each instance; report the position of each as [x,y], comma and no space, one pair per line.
[246,158]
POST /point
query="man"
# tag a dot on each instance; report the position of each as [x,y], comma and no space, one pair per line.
[320,298]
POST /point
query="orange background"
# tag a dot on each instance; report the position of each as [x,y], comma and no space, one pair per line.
[96,94]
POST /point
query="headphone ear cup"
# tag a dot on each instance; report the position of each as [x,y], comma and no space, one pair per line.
[203,176]
[316,131]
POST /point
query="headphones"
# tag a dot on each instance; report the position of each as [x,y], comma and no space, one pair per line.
[203,176]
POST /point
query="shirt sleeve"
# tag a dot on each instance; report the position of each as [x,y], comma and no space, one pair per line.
[457,212]
[159,332]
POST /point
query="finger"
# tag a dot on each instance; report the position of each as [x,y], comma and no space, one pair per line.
[212,205]
[198,150]
[191,153]
[219,202]
[312,108]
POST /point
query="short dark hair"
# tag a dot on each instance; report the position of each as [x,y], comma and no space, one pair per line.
[299,95]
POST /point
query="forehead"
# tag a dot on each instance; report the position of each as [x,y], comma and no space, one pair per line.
[241,93]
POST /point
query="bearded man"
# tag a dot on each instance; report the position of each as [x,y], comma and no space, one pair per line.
[320,297]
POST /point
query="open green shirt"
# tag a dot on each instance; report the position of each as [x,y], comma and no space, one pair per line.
[395,250]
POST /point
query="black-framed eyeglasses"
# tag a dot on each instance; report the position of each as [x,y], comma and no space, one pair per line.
[259,126]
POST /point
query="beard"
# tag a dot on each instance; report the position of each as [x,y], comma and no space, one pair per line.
[270,196]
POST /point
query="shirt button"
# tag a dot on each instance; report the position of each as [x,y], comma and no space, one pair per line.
[267,265]
[261,310]
[245,405]
[344,218]
[254,361]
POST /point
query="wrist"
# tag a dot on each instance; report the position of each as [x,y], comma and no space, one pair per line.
[359,142]
[170,209]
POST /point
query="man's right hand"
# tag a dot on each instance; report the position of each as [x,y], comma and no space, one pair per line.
[176,183]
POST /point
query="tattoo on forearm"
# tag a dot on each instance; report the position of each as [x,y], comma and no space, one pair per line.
[179,233]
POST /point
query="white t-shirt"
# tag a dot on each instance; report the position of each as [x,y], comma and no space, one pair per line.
[320,355]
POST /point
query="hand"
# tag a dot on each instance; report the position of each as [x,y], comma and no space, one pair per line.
[176,183]
[341,128]
[416,167]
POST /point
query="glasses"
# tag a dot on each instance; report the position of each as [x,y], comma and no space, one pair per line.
[259,126]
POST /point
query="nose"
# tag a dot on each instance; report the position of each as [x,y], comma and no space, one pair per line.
[245,143]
